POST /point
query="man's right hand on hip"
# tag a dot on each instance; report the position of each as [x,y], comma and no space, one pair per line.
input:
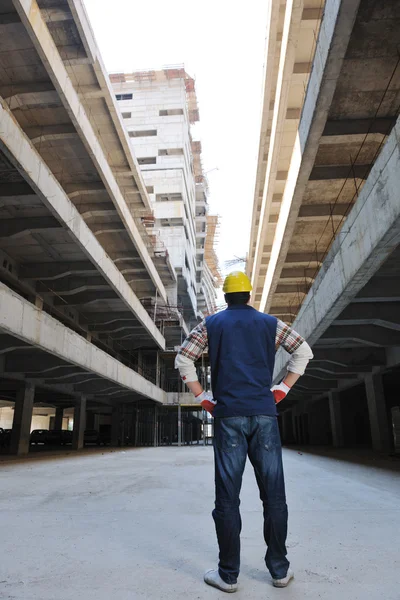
[280,392]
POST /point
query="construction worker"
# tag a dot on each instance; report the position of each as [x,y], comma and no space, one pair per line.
[242,343]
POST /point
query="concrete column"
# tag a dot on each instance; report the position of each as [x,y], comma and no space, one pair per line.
[335,410]
[377,413]
[58,419]
[21,429]
[115,419]
[79,424]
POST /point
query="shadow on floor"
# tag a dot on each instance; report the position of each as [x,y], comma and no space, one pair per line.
[358,456]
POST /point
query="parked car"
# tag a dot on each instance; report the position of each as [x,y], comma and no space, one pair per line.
[105,435]
[66,437]
[91,436]
[58,437]
[38,436]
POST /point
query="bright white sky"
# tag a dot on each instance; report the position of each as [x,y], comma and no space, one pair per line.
[221,43]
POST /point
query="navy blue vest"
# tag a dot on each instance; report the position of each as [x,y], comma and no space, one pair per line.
[241,346]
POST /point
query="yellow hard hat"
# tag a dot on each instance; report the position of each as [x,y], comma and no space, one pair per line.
[237,282]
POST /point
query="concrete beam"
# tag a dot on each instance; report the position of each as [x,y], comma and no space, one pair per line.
[90,92]
[10,228]
[74,285]
[358,253]
[54,271]
[56,14]
[318,212]
[382,314]
[367,334]
[380,289]
[321,173]
[21,153]
[32,362]
[35,100]
[272,131]
[20,318]
[108,318]
[29,13]
[312,14]
[307,259]
[83,188]
[334,36]
[25,87]
[301,273]
[303,68]
[351,357]
[86,298]
[345,127]
[333,369]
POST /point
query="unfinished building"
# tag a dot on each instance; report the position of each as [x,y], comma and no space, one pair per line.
[324,250]
[86,323]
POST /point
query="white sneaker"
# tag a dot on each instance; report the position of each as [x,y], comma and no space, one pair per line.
[282,583]
[213,578]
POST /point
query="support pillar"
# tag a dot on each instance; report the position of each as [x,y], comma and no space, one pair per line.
[158,370]
[79,424]
[378,418]
[21,429]
[335,410]
[115,417]
[58,419]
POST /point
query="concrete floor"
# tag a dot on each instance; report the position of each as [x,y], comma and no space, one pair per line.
[136,524]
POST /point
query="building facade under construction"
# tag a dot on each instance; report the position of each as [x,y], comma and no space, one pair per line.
[101,266]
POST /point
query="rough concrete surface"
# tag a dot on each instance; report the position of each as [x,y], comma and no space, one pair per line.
[136,524]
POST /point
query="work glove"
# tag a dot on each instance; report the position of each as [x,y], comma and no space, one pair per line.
[280,391]
[207,402]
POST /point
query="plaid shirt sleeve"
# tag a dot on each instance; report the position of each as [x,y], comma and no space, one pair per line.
[195,343]
[287,337]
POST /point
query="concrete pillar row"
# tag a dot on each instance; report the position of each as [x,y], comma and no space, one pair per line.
[21,429]
[378,418]
[58,420]
[79,424]
[335,410]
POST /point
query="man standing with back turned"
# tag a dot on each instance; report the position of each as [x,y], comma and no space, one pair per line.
[242,343]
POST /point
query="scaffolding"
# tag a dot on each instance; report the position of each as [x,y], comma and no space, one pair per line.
[210,255]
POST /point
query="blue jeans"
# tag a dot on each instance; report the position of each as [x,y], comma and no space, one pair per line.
[234,439]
